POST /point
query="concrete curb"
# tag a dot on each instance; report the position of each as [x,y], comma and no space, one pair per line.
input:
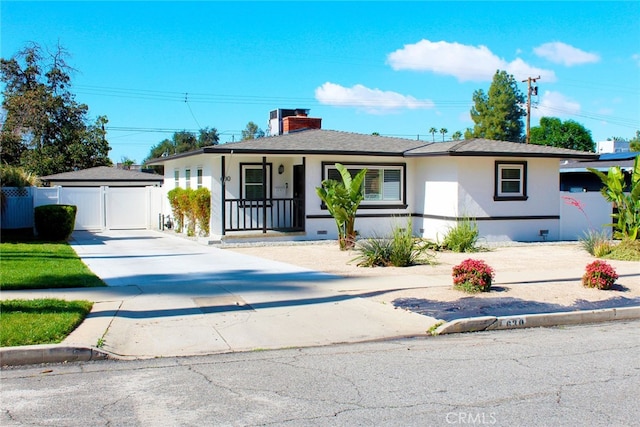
[48,353]
[491,323]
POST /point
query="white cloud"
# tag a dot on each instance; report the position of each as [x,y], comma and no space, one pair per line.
[562,53]
[555,104]
[466,63]
[636,58]
[373,101]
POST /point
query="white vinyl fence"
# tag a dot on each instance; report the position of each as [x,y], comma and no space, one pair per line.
[99,208]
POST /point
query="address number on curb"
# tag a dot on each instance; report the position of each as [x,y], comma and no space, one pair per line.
[514,322]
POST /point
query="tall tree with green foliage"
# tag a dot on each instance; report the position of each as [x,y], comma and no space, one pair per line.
[569,134]
[433,131]
[456,136]
[182,142]
[498,114]
[46,130]
[342,200]
[252,131]
[443,131]
[634,143]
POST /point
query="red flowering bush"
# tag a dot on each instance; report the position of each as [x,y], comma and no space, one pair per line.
[599,275]
[472,275]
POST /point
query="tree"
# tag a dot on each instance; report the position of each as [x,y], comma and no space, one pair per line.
[45,130]
[208,137]
[252,131]
[433,131]
[569,134]
[342,200]
[456,136]
[443,131]
[498,114]
[634,143]
[182,142]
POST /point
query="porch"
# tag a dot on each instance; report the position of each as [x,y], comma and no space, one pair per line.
[274,214]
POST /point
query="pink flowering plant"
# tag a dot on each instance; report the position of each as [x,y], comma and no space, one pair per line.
[472,276]
[599,275]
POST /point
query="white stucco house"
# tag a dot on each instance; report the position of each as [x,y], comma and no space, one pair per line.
[266,187]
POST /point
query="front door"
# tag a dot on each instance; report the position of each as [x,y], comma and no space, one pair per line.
[298,197]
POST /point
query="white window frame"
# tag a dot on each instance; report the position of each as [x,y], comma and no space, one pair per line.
[176,178]
[199,177]
[187,178]
[500,194]
[383,201]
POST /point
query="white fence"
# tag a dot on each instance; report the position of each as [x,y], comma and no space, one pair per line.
[99,208]
[581,212]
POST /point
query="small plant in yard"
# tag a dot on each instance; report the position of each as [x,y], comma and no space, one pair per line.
[400,250]
[597,243]
[472,276]
[463,237]
[599,275]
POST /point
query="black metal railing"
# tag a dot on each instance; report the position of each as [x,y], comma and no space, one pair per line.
[264,215]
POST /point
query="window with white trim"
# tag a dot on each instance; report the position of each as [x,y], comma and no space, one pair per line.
[199,178]
[511,181]
[176,178]
[187,177]
[253,187]
[383,184]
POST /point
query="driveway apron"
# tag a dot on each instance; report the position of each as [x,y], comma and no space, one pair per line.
[171,296]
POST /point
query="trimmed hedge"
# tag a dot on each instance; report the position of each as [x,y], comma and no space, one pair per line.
[55,222]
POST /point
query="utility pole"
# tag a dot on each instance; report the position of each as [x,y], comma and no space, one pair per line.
[531,90]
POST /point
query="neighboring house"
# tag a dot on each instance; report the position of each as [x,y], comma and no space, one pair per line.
[269,184]
[585,208]
[103,176]
[613,146]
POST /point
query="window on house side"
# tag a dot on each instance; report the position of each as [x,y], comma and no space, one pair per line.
[199,177]
[176,178]
[511,181]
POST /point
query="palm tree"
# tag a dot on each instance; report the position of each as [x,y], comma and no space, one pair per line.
[433,131]
[342,200]
[443,131]
[456,136]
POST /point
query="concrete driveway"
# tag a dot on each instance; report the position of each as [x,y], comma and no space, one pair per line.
[170,296]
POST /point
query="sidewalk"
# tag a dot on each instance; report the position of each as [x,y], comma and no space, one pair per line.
[169,296]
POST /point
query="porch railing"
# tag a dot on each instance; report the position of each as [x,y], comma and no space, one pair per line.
[274,214]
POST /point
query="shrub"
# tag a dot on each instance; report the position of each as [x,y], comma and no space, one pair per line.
[626,250]
[599,275]
[472,276]
[55,222]
[201,206]
[462,237]
[593,241]
[400,250]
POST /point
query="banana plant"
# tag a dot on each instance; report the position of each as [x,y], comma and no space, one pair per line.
[342,200]
[627,219]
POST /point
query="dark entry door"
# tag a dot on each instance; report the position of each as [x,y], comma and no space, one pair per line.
[298,197]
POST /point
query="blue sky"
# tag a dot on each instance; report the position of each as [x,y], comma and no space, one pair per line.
[396,68]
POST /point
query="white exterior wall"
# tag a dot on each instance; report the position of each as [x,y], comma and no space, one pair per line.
[596,212]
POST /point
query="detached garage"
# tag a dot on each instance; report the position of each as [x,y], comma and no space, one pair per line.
[107,197]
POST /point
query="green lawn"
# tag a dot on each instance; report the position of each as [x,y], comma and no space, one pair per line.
[41,321]
[42,265]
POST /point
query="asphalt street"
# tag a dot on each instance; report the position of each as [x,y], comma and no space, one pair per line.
[586,375]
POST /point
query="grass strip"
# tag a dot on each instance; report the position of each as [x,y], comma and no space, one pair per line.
[39,321]
[42,265]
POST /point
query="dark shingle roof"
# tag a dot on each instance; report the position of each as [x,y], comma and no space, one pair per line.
[488,147]
[320,141]
[103,173]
